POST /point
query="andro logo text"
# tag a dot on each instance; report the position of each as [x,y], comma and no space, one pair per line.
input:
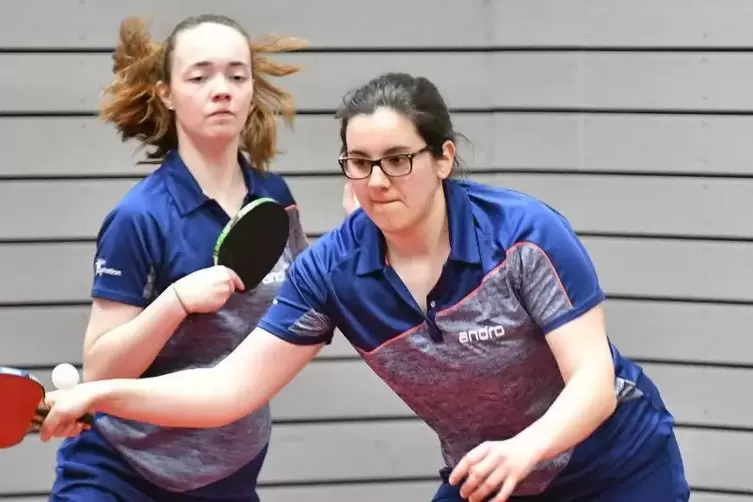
[481,334]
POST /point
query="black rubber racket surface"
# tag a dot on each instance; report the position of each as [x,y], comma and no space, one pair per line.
[20,395]
[252,242]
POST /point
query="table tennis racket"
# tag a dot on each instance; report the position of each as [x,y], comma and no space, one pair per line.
[20,396]
[253,241]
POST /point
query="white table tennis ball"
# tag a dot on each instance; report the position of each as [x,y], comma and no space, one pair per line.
[65,376]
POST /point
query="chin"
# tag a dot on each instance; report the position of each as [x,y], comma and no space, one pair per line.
[389,223]
[222,134]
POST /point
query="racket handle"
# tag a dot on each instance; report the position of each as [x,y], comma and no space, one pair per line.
[87,419]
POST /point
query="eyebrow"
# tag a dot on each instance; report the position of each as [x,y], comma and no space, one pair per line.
[204,64]
[390,151]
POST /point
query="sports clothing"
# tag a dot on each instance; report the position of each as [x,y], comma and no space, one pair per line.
[163,229]
[476,365]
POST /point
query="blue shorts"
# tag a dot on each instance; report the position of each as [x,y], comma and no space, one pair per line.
[661,479]
[90,470]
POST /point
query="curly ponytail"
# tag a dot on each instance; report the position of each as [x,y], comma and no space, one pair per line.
[260,135]
[132,104]
[131,101]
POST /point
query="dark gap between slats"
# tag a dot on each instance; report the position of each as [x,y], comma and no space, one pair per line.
[471,172]
[457,111]
[637,298]
[385,481]
[534,48]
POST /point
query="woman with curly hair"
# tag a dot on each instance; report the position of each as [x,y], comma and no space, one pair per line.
[203,102]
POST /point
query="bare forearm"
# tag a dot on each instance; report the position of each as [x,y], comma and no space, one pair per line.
[208,397]
[587,400]
[128,350]
[196,398]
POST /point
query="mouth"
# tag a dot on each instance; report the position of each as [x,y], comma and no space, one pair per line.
[222,113]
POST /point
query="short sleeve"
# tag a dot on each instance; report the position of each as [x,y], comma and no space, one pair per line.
[298,313]
[127,258]
[557,279]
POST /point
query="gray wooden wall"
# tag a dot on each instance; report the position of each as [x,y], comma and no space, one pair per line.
[632,117]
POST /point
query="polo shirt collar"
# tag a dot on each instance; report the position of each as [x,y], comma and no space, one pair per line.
[464,245]
[185,190]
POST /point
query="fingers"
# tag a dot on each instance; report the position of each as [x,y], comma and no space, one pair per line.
[486,471]
[236,281]
[50,426]
[507,488]
[481,479]
[471,458]
[50,421]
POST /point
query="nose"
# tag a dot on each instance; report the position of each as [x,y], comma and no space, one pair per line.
[220,89]
[378,179]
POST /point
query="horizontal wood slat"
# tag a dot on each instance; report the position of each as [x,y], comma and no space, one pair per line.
[665,268]
[714,145]
[339,23]
[720,497]
[518,80]
[313,88]
[629,81]
[657,268]
[667,331]
[714,459]
[502,23]
[617,23]
[592,203]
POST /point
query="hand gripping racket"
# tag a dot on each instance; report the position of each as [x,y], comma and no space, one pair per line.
[253,241]
[20,397]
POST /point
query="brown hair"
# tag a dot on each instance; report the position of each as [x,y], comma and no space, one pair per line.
[132,104]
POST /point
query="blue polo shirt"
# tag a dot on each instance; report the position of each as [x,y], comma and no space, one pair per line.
[163,229]
[476,365]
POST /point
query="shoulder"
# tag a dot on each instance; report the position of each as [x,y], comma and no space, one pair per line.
[272,185]
[142,208]
[339,248]
[511,217]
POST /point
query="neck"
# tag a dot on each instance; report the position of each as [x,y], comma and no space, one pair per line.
[215,166]
[429,237]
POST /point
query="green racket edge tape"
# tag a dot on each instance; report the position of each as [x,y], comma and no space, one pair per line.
[242,212]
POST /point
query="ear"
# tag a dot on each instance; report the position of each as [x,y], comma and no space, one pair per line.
[163,91]
[447,160]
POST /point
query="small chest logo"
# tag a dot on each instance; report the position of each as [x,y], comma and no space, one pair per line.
[481,334]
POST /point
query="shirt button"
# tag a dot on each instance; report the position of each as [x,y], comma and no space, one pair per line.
[432,304]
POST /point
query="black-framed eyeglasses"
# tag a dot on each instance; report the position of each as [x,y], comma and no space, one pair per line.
[392,165]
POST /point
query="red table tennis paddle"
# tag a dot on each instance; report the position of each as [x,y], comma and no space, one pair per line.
[21,394]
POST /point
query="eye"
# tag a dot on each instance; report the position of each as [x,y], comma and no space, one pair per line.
[358,163]
[396,160]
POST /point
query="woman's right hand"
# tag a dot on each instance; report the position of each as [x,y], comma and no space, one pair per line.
[207,290]
[65,407]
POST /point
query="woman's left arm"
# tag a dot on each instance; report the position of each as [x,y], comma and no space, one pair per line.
[555,280]
[582,352]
